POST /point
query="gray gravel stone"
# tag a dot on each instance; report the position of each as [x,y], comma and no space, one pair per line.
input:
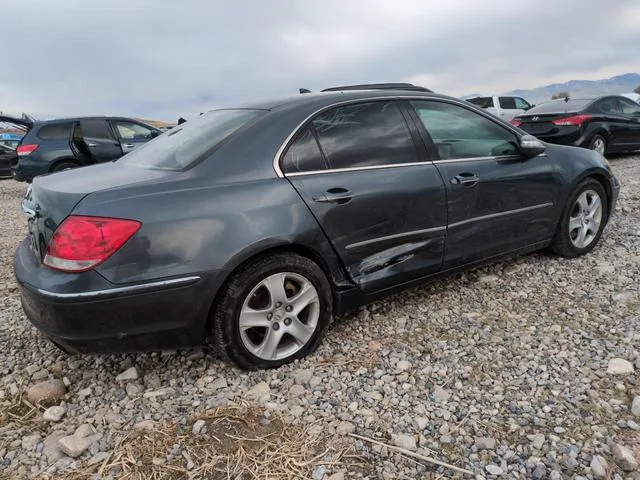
[198,426]
[494,470]
[129,374]
[619,366]
[47,391]
[624,458]
[405,441]
[635,406]
[54,414]
[598,467]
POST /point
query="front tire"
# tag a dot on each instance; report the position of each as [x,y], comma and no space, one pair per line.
[583,220]
[272,311]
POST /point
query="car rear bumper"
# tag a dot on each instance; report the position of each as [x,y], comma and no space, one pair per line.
[85,313]
[27,169]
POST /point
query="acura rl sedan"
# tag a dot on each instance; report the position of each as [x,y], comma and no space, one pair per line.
[249,227]
[608,124]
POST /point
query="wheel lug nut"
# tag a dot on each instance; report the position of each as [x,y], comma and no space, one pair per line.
[269,316]
[278,304]
[287,321]
[288,308]
[276,326]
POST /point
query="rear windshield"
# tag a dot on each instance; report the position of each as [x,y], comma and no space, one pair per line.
[560,106]
[482,102]
[187,144]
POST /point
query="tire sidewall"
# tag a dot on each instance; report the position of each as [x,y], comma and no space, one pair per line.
[242,285]
[593,141]
[564,223]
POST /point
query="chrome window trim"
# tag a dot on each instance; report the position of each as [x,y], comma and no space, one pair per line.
[141,287]
[500,214]
[294,132]
[354,169]
[471,159]
[396,235]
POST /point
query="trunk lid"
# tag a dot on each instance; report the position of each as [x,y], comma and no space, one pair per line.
[52,198]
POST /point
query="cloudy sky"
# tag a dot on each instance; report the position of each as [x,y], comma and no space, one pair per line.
[162,59]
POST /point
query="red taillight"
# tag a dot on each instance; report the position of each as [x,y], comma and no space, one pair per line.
[516,122]
[26,149]
[81,243]
[575,120]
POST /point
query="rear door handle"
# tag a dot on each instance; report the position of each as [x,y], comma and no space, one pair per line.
[334,195]
[129,145]
[92,144]
[467,179]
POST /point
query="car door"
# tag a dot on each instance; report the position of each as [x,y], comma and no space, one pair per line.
[372,189]
[508,108]
[497,200]
[132,134]
[99,140]
[607,111]
[631,111]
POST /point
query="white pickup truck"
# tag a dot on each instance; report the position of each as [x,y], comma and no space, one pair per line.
[503,107]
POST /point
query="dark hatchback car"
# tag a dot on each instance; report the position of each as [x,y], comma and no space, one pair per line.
[250,227]
[62,144]
[608,124]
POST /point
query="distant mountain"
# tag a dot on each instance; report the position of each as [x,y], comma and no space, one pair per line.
[582,88]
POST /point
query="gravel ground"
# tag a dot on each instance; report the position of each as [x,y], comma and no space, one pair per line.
[507,371]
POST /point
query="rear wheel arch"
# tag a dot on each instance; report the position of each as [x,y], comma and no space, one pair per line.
[60,161]
[335,279]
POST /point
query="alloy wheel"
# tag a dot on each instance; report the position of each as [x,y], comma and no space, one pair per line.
[599,145]
[279,316]
[585,219]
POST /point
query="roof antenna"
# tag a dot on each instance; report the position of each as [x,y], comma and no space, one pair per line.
[566,98]
[304,90]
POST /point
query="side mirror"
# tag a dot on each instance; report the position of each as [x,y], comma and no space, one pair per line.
[530,146]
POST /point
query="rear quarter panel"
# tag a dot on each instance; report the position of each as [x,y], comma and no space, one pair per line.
[207,230]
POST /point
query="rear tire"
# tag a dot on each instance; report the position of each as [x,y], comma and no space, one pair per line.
[64,166]
[583,220]
[599,144]
[272,311]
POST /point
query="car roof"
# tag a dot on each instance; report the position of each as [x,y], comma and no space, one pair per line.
[320,99]
[90,117]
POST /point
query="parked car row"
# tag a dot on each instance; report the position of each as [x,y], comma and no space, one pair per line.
[66,143]
[249,228]
[606,124]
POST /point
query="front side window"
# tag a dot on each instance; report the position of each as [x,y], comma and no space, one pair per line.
[461,133]
[521,104]
[508,103]
[365,135]
[303,155]
[190,142]
[132,131]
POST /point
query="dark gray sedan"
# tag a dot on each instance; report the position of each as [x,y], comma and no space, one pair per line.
[250,227]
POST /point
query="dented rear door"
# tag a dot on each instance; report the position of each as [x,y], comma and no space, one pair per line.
[380,202]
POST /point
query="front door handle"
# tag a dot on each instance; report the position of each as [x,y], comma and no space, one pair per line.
[467,179]
[334,195]
[92,144]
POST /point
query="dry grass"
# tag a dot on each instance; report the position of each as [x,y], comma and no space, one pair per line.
[239,444]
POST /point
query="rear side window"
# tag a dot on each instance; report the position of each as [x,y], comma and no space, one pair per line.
[482,102]
[303,155]
[55,131]
[521,104]
[507,102]
[608,105]
[190,142]
[365,135]
[96,129]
